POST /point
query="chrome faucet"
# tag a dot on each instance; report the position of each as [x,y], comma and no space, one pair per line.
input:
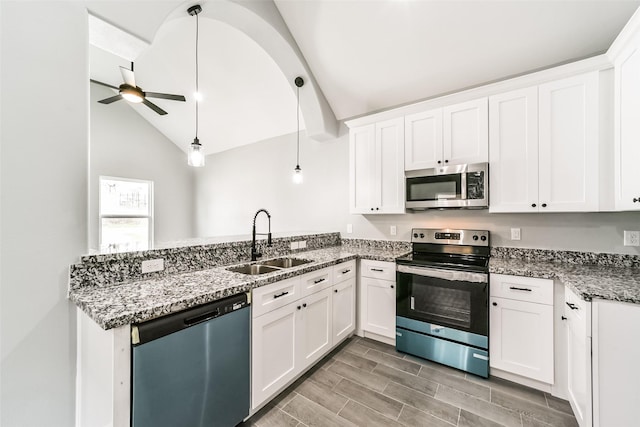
[254,254]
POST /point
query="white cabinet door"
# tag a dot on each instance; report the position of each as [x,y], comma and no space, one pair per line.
[466,135]
[627,130]
[510,321]
[315,328]
[389,178]
[362,158]
[378,306]
[578,320]
[513,151]
[568,144]
[423,140]
[274,343]
[344,309]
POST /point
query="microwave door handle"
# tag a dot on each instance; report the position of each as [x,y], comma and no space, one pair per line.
[463,184]
[451,275]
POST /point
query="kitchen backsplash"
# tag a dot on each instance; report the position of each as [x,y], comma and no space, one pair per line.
[393,245]
[568,257]
[107,269]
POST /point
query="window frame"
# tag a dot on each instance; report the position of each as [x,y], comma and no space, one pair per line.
[150,202]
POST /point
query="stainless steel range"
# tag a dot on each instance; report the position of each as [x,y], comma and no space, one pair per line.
[442,298]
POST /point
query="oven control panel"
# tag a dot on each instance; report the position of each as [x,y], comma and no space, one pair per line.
[450,236]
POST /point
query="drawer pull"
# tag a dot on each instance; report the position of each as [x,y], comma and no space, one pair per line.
[319,280]
[520,289]
[379,270]
[572,306]
[281,295]
[346,271]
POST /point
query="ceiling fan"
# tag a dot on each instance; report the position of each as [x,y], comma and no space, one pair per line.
[132,93]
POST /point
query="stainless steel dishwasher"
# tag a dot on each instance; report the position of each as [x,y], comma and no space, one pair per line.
[192,368]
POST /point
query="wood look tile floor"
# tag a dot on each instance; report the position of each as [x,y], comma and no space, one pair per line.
[367,383]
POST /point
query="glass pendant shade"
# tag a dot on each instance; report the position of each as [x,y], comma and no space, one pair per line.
[297,175]
[196,156]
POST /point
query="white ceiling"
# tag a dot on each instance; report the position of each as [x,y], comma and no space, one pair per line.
[366,56]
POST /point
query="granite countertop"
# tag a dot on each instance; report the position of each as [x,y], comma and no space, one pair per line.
[124,303]
[608,282]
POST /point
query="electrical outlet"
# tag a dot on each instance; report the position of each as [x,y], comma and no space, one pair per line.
[393,230]
[302,244]
[294,246]
[152,265]
[515,234]
[631,238]
[349,228]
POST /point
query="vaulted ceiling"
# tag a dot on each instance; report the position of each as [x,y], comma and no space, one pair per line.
[365,55]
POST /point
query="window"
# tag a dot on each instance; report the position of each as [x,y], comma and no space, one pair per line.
[126,214]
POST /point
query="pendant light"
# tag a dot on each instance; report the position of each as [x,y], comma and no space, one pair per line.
[196,155]
[297,172]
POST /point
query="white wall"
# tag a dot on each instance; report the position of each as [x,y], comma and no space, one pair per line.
[237,182]
[125,145]
[44,133]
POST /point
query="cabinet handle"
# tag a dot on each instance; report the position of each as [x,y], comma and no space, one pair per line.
[563,318]
[544,205]
[379,270]
[572,306]
[391,286]
[636,200]
[377,209]
[495,304]
[520,289]
[371,208]
[335,290]
[281,295]
[439,161]
[446,161]
[533,205]
[346,271]
[319,280]
[298,307]
[304,305]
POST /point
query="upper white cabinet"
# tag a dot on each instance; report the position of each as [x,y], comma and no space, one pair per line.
[377,168]
[544,147]
[627,128]
[455,134]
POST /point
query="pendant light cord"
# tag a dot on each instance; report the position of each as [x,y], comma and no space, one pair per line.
[197,88]
[298,124]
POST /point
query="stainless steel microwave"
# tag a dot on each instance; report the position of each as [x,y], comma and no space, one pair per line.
[448,187]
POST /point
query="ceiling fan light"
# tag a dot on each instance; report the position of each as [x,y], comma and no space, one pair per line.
[132,95]
[195,157]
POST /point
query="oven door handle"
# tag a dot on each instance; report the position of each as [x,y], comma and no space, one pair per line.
[452,275]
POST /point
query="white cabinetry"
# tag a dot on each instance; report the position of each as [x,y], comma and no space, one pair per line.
[521,319]
[455,134]
[378,298]
[377,168]
[578,320]
[295,323]
[627,128]
[544,147]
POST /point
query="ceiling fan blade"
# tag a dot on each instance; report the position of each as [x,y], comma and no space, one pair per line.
[165,96]
[128,76]
[154,107]
[110,100]
[104,84]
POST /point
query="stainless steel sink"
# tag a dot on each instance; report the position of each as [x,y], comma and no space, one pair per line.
[253,269]
[269,266]
[285,262]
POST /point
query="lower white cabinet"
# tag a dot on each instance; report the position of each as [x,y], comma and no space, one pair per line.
[521,322]
[578,321]
[287,339]
[378,298]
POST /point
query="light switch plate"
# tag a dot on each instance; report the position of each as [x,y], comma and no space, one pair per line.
[631,238]
[302,244]
[515,234]
[152,265]
[294,246]
[393,230]
[349,228]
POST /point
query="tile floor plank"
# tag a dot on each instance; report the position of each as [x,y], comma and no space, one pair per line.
[468,419]
[412,381]
[368,379]
[385,348]
[423,402]
[372,399]
[412,417]
[459,383]
[322,395]
[312,414]
[512,388]
[360,415]
[533,410]
[480,407]
[326,377]
[355,361]
[392,361]
[559,404]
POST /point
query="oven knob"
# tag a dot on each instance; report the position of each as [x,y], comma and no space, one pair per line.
[422,235]
[475,237]
[415,235]
[483,238]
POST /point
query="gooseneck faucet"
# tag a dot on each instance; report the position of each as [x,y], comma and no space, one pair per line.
[254,253]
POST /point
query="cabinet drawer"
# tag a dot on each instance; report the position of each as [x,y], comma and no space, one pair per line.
[378,269]
[316,281]
[344,271]
[268,298]
[518,288]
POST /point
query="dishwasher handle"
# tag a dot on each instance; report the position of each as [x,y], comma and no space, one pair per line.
[190,321]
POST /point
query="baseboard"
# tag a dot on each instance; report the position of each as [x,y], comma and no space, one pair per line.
[520,380]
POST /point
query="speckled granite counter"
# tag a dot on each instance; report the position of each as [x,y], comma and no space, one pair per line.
[120,304]
[591,276]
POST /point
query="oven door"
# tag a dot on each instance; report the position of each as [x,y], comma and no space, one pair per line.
[444,298]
